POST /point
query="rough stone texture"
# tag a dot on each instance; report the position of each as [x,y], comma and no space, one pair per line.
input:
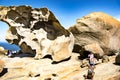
[26,68]
[95,49]
[97,28]
[37,31]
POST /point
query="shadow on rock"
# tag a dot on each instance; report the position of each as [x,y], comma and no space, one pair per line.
[116,64]
[5,70]
[54,62]
[24,55]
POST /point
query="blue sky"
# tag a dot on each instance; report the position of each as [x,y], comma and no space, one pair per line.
[66,11]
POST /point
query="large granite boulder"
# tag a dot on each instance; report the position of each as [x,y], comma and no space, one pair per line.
[97,28]
[37,31]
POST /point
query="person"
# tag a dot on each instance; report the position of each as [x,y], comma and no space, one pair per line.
[90,73]
[9,53]
[91,59]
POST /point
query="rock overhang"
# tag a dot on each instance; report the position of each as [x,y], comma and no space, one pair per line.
[31,28]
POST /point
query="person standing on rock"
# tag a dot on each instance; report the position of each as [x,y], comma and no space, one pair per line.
[90,73]
[91,67]
[91,59]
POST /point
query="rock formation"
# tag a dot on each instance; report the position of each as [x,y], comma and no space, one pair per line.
[99,32]
[37,31]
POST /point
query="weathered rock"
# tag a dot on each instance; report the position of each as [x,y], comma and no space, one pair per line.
[95,49]
[117,59]
[97,28]
[37,31]
[27,68]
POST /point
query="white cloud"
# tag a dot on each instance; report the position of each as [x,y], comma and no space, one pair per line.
[117,17]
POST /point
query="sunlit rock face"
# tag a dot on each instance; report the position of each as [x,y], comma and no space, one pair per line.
[36,30]
[97,28]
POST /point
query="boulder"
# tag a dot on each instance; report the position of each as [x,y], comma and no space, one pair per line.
[97,28]
[95,49]
[36,30]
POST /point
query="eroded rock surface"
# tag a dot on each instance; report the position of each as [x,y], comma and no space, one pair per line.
[27,68]
[36,30]
[97,28]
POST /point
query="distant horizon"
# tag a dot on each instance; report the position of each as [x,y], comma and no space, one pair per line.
[67,11]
